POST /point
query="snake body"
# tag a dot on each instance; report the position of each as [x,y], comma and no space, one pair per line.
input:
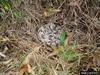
[50,34]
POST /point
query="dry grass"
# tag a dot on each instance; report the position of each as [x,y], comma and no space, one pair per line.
[18,35]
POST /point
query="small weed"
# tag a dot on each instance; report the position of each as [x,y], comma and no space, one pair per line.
[17,14]
[68,53]
[22,56]
[15,65]
[5,5]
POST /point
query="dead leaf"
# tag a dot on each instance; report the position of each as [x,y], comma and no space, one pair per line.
[45,13]
[68,38]
[49,11]
[25,66]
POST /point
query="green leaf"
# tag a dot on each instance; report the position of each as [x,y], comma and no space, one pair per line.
[68,55]
[62,38]
[5,4]
[17,14]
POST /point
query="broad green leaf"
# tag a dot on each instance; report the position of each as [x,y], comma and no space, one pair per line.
[62,38]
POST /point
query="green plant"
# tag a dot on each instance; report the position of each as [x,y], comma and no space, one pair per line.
[5,4]
[22,56]
[68,53]
[62,38]
[17,14]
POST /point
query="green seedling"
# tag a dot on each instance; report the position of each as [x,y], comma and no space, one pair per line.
[17,14]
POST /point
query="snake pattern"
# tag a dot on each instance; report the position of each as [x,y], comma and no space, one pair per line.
[50,34]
